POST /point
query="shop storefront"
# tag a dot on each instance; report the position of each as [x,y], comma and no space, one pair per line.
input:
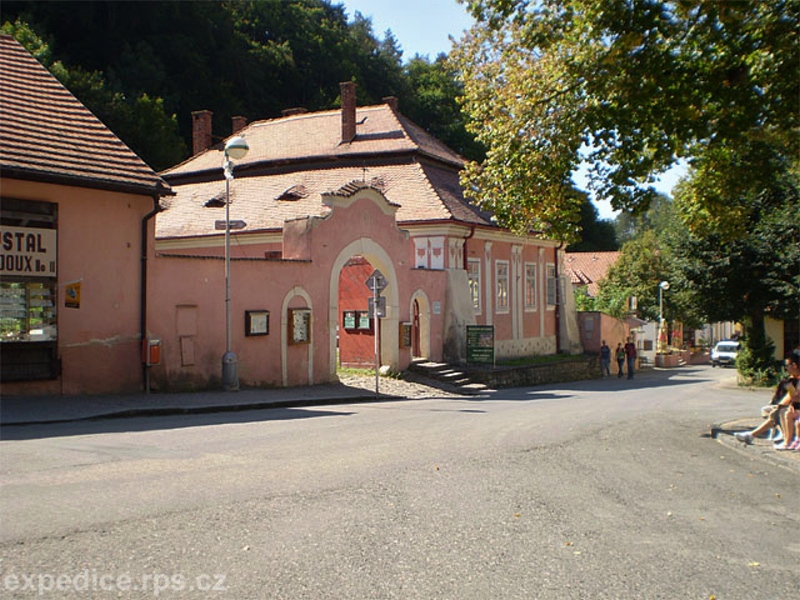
[28,290]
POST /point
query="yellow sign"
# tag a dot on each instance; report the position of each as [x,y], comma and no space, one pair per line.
[72,295]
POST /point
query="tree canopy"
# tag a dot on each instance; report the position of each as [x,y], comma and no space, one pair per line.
[134,63]
[630,87]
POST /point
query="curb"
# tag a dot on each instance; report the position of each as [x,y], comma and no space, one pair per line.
[166,411]
[723,433]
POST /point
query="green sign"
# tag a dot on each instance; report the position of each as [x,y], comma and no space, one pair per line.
[480,344]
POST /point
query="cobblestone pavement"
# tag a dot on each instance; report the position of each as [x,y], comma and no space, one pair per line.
[410,386]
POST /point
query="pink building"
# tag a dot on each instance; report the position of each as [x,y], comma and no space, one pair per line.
[320,200]
[76,233]
[99,255]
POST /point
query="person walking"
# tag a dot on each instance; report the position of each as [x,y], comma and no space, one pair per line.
[630,354]
[605,360]
[620,355]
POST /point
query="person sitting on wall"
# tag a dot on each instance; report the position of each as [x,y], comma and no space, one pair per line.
[784,415]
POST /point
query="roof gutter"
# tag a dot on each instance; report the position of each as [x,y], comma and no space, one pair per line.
[157,188]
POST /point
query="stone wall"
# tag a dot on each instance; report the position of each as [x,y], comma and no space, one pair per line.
[574,369]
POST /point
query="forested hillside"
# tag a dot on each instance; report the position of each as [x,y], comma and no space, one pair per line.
[143,67]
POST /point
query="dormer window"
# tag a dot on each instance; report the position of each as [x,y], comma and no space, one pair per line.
[216,202]
[294,193]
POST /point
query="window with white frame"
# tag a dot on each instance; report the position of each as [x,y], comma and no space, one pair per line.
[501,285]
[551,284]
[474,276]
[530,286]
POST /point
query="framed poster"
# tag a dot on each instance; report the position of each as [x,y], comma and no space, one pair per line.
[364,322]
[349,319]
[299,325]
[405,335]
[256,322]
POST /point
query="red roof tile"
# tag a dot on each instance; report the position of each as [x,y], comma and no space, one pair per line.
[317,136]
[46,134]
[589,268]
[293,160]
[256,199]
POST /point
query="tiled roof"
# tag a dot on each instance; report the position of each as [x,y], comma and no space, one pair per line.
[292,161]
[255,199]
[46,134]
[589,268]
[317,136]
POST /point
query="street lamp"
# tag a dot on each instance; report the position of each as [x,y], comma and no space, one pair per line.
[662,334]
[236,148]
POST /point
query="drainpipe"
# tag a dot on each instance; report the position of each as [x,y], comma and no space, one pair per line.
[466,260]
[143,291]
[558,301]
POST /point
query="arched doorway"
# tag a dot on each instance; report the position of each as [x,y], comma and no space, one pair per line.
[415,349]
[420,325]
[366,251]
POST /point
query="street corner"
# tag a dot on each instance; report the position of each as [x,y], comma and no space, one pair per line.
[761,447]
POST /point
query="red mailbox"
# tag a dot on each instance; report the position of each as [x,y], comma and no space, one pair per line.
[151,351]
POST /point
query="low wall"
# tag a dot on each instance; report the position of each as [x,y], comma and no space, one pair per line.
[575,369]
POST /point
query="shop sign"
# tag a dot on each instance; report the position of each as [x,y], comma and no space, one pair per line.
[28,251]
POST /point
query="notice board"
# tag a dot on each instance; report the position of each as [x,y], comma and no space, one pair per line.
[480,344]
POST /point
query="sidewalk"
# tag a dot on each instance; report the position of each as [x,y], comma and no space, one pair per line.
[53,409]
[25,410]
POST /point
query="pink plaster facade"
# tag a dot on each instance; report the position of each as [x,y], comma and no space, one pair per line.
[188,315]
[596,327]
[99,246]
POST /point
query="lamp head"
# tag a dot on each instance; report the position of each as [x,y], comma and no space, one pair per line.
[664,285]
[236,148]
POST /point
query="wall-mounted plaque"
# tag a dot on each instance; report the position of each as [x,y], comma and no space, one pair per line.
[405,335]
[256,322]
[299,325]
[349,319]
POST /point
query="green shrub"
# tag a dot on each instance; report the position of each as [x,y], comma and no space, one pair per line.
[756,362]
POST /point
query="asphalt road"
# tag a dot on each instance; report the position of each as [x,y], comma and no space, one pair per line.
[601,489]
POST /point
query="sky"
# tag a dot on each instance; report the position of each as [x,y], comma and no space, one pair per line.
[420,26]
[425,26]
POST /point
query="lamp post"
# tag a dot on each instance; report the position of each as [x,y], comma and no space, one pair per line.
[236,148]
[662,334]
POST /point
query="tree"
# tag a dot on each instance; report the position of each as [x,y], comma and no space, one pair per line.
[750,277]
[130,61]
[641,265]
[597,235]
[141,121]
[630,87]
[431,101]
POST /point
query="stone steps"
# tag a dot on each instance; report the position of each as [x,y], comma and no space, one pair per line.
[448,374]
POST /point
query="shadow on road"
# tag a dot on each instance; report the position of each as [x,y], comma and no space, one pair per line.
[643,380]
[111,424]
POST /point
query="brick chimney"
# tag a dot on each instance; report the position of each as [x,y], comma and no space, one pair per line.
[201,130]
[391,101]
[237,124]
[348,92]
